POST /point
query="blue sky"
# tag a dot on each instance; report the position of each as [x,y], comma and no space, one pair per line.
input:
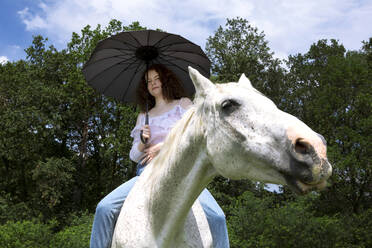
[14,37]
[290,26]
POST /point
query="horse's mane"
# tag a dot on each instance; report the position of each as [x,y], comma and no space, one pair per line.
[173,140]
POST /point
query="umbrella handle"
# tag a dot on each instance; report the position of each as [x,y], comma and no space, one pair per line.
[144,141]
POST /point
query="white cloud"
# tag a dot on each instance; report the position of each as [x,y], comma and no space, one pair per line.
[290,26]
[3,60]
[32,21]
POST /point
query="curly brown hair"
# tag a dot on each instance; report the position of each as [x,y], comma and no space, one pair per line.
[172,88]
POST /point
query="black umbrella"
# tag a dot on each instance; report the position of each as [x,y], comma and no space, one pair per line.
[117,63]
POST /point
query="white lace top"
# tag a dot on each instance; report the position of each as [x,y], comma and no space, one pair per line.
[159,125]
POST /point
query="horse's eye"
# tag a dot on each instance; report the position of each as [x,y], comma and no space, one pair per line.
[229,105]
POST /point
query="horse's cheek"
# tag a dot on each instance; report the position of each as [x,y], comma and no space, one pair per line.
[221,149]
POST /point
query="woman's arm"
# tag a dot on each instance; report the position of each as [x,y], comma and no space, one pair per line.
[137,150]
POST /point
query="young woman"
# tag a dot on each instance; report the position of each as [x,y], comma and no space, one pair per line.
[167,103]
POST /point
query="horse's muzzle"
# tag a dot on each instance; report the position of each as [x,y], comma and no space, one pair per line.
[308,170]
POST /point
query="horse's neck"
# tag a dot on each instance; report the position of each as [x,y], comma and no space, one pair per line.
[174,181]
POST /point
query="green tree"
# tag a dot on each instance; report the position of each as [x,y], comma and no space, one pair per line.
[259,222]
[63,146]
[241,48]
[101,125]
[332,93]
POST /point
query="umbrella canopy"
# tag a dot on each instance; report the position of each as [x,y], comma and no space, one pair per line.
[117,64]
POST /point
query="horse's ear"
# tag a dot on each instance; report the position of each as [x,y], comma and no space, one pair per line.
[243,80]
[201,83]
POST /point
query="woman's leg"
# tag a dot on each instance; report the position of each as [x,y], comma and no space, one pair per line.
[107,212]
[216,219]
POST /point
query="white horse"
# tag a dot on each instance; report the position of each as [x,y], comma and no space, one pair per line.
[234,131]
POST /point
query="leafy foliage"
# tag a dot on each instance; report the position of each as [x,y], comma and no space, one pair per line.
[256,222]
[32,233]
[241,48]
[332,93]
[26,234]
[54,181]
[77,235]
[63,146]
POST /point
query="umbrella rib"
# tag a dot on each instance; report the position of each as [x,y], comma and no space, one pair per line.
[114,79]
[173,64]
[178,43]
[139,43]
[116,56]
[177,58]
[126,90]
[129,44]
[121,62]
[148,38]
[197,53]
[188,61]
[120,41]
[162,39]
[201,55]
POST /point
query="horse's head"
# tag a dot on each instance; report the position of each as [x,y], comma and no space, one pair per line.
[247,136]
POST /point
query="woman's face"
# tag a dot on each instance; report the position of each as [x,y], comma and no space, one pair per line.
[154,84]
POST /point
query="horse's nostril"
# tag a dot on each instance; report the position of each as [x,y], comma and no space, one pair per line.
[301,147]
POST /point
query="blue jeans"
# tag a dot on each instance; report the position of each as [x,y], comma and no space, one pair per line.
[108,210]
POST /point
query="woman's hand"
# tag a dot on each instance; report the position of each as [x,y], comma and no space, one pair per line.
[146,132]
[150,152]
